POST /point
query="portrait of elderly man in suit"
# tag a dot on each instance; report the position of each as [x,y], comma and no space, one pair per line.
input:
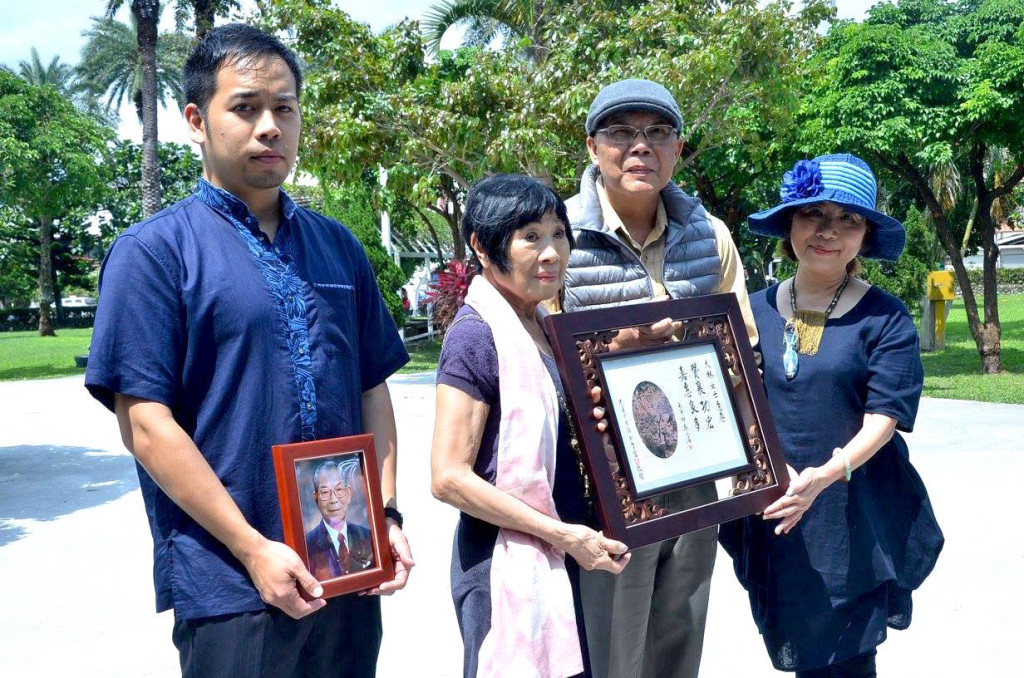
[337,546]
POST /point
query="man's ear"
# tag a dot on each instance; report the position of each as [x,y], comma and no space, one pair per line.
[196,124]
[592,149]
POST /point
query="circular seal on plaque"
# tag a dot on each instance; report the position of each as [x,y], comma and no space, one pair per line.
[655,421]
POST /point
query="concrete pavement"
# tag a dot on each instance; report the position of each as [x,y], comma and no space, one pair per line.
[76,594]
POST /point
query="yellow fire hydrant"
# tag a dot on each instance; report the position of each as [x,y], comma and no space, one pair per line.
[935,305]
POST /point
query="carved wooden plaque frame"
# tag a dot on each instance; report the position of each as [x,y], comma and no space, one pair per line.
[582,340]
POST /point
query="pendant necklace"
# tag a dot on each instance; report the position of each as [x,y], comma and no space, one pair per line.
[804,329]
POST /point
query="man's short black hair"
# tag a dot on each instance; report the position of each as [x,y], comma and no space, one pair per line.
[228,45]
[498,206]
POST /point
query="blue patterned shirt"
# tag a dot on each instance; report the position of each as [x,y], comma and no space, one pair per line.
[250,343]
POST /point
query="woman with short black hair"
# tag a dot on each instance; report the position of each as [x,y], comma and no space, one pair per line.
[501,451]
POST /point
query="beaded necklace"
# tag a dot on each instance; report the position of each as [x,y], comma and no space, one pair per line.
[804,329]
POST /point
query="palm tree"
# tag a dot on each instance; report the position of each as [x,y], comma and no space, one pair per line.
[67,81]
[61,76]
[204,12]
[112,66]
[145,17]
[487,19]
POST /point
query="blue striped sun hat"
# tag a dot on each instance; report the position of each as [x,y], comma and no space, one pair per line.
[840,178]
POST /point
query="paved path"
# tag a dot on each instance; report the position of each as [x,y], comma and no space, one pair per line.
[76,594]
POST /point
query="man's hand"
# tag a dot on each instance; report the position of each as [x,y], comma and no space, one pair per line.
[281,578]
[646,335]
[402,555]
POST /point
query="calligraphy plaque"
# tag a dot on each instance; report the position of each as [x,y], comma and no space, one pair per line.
[690,441]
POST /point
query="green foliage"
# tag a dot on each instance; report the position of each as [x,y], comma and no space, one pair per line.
[111,64]
[19,259]
[352,205]
[906,277]
[51,171]
[180,170]
[929,93]
[1005,277]
[439,126]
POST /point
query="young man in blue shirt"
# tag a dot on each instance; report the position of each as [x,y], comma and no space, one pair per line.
[227,323]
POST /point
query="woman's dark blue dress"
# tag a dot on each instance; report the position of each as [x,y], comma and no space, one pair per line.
[826,591]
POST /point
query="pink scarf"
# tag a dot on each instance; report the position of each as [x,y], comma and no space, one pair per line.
[533,623]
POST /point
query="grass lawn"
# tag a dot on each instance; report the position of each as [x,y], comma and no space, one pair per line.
[26,355]
[953,373]
[956,372]
[423,356]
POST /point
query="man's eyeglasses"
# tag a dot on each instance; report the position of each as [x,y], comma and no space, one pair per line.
[325,494]
[622,135]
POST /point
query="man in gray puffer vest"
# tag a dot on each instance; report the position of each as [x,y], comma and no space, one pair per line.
[640,237]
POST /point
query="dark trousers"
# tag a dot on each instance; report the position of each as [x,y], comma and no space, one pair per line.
[341,640]
[861,666]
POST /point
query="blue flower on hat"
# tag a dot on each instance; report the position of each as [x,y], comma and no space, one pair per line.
[803,181]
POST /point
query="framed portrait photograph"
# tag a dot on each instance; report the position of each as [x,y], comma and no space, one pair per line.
[332,513]
[690,441]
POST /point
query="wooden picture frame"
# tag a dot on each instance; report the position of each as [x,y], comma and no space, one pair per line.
[348,489]
[631,509]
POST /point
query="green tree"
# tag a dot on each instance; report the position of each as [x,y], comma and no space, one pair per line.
[111,64]
[65,78]
[52,155]
[146,17]
[923,86]
[440,125]
[202,13]
[518,21]
[180,171]
[60,75]
[19,259]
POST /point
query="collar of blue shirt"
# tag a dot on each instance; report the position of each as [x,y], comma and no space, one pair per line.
[230,205]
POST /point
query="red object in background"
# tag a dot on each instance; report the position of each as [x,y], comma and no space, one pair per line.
[449,292]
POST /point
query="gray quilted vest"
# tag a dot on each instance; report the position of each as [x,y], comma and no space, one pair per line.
[604,271]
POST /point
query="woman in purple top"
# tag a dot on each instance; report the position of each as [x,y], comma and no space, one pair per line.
[834,564]
[518,232]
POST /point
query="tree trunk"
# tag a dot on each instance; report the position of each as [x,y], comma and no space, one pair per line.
[205,12]
[433,232]
[45,276]
[448,188]
[58,305]
[988,339]
[147,14]
[905,168]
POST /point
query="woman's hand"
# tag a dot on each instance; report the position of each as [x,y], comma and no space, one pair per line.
[592,550]
[804,488]
[598,413]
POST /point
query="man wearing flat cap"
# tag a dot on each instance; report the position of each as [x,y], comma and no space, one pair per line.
[639,238]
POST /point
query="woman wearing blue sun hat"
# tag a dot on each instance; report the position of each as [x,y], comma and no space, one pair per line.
[831,565]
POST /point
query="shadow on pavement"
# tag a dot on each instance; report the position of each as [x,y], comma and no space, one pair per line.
[44,482]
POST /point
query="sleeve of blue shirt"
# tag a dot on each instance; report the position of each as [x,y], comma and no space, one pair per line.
[138,339]
[382,350]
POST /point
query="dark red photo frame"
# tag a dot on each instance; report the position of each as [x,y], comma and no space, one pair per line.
[580,339]
[285,457]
